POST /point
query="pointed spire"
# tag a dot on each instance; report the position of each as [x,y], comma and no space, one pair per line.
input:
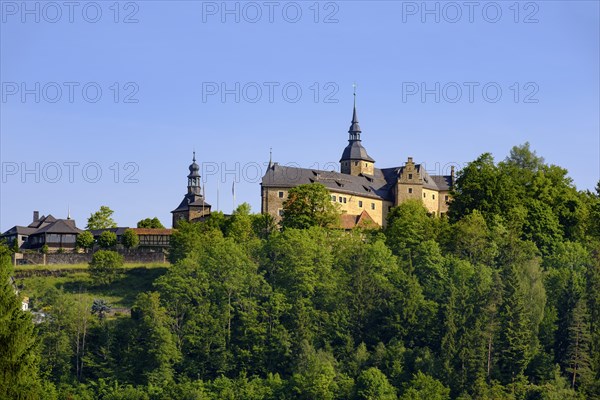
[270,158]
[194,158]
[68,212]
[354,130]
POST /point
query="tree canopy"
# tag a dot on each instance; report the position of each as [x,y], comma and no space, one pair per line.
[19,356]
[309,205]
[500,301]
[153,223]
[101,219]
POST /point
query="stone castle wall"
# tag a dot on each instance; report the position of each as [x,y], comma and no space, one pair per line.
[84,258]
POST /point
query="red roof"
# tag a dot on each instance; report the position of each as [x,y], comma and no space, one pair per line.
[151,231]
[363,220]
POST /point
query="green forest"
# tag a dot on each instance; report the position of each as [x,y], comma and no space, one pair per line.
[497,300]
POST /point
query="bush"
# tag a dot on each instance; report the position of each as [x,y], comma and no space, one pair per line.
[107,239]
[85,240]
[130,239]
[105,267]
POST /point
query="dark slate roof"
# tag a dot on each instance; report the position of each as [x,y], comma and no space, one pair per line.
[194,168]
[191,200]
[354,126]
[44,220]
[60,226]
[355,151]
[443,182]
[376,186]
[380,185]
[19,230]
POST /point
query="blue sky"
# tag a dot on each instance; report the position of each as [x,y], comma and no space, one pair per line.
[442,82]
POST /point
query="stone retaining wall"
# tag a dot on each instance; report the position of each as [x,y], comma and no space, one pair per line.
[84,258]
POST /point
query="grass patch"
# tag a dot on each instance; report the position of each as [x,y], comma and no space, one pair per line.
[136,278]
[53,267]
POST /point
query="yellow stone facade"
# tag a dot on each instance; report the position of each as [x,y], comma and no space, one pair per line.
[411,185]
[360,187]
[357,167]
[378,209]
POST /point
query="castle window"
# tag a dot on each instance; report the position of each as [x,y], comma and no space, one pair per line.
[409,176]
[340,199]
[446,198]
[333,197]
[281,195]
[433,196]
[280,212]
[360,203]
[424,195]
[372,206]
[356,163]
[409,190]
[344,200]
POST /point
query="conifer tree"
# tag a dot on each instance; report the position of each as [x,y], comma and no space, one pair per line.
[514,337]
[19,359]
[578,353]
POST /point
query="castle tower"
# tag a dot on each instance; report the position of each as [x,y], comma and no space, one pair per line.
[194,186]
[193,207]
[355,160]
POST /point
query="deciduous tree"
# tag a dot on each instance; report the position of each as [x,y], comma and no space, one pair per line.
[107,240]
[105,267]
[101,219]
[152,223]
[309,205]
[130,239]
[85,240]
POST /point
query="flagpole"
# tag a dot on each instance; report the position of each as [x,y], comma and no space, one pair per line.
[233,194]
[203,208]
[218,179]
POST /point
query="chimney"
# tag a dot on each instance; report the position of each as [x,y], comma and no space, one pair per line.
[409,160]
[36,216]
[452,172]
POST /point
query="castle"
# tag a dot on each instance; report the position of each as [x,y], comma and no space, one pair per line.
[362,191]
